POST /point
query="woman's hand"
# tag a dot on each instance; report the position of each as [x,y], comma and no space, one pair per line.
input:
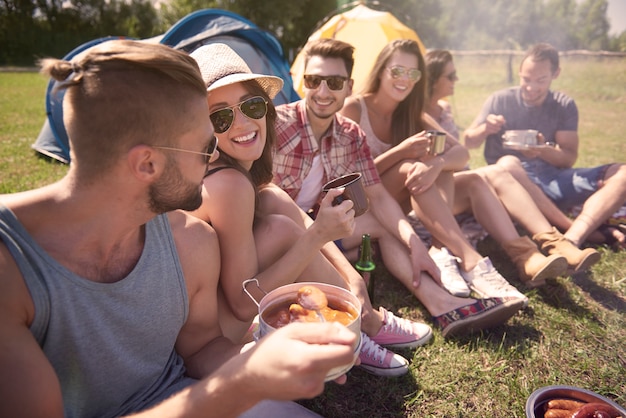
[415,146]
[421,176]
[334,222]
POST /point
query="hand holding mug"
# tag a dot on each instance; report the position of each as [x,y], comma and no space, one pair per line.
[416,146]
[353,190]
[334,222]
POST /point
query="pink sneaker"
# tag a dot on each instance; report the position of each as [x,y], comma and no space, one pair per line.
[380,361]
[401,333]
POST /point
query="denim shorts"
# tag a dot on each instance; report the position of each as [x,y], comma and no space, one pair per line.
[567,187]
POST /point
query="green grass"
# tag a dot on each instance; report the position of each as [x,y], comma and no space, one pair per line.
[22,113]
[572,333]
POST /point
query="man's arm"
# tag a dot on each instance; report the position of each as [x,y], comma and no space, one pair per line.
[480,129]
[28,386]
[291,363]
[563,155]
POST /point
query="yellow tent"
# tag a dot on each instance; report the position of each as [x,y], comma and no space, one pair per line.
[368,31]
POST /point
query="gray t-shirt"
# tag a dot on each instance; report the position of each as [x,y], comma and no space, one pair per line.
[111,345]
[557,113]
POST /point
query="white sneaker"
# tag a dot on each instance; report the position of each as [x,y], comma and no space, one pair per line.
[451,277]
[488,283]
[380,361]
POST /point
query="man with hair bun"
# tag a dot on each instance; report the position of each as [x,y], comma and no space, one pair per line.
[110,308]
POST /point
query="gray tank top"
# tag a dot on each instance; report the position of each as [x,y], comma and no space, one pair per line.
[111,345]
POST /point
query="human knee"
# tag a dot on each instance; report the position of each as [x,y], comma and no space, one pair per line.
[472,181]
[281,228]
[498,176]
[509,163]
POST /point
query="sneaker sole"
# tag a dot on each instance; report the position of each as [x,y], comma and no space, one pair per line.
[482,295]
[388,372]
[458,293]
[487,319]
[411,344]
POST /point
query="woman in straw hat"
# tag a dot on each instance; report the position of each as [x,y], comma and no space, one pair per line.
[271,247]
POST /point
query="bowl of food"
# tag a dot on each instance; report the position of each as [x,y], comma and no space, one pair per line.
[293,303]
[571,402]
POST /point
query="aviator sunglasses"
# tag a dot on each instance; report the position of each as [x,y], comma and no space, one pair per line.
[253,108]
[334,82]
[210,150]
[398,71]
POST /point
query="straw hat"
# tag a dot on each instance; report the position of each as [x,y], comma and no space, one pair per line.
[221,66]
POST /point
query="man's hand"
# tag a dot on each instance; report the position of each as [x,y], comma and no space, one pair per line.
[494,123]
[293,362]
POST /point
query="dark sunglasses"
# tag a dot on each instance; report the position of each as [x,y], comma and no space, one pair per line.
[452,76]
[398,71]
[210,150]
[253,108]
[334,82]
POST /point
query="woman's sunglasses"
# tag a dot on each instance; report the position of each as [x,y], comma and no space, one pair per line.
[398,71]
[210,150]
[334,82]
[253,108]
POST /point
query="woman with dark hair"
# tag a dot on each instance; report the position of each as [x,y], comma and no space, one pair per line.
[391,111]
[441,75]
[270,247]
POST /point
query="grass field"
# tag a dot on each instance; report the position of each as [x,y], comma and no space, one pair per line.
[572,333]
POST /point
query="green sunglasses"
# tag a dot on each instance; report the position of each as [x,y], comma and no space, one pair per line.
[253,108]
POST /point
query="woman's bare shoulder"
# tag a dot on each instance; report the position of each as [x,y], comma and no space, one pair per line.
[352,108]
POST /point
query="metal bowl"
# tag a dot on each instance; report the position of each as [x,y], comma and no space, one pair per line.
[337,297]
[520,139]
[535,404]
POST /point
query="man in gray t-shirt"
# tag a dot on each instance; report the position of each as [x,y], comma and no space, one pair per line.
[547,170]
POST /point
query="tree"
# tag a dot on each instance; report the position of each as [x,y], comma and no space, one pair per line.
[592,25]
[35,28]
[291,25]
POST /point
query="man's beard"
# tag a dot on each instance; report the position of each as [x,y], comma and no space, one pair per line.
[173,192]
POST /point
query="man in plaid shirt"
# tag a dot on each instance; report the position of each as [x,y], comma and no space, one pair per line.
[315,144]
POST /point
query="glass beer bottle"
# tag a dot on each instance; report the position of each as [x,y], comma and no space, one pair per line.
[366,265]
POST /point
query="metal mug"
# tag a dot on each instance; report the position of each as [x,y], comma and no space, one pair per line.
[437,142]
[354,191]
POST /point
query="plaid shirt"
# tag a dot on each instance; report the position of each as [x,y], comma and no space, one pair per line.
[344,150]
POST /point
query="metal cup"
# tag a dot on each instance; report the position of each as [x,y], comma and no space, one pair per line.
[353,191]
[437,142]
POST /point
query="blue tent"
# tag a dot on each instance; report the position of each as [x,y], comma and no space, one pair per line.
[259,48]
